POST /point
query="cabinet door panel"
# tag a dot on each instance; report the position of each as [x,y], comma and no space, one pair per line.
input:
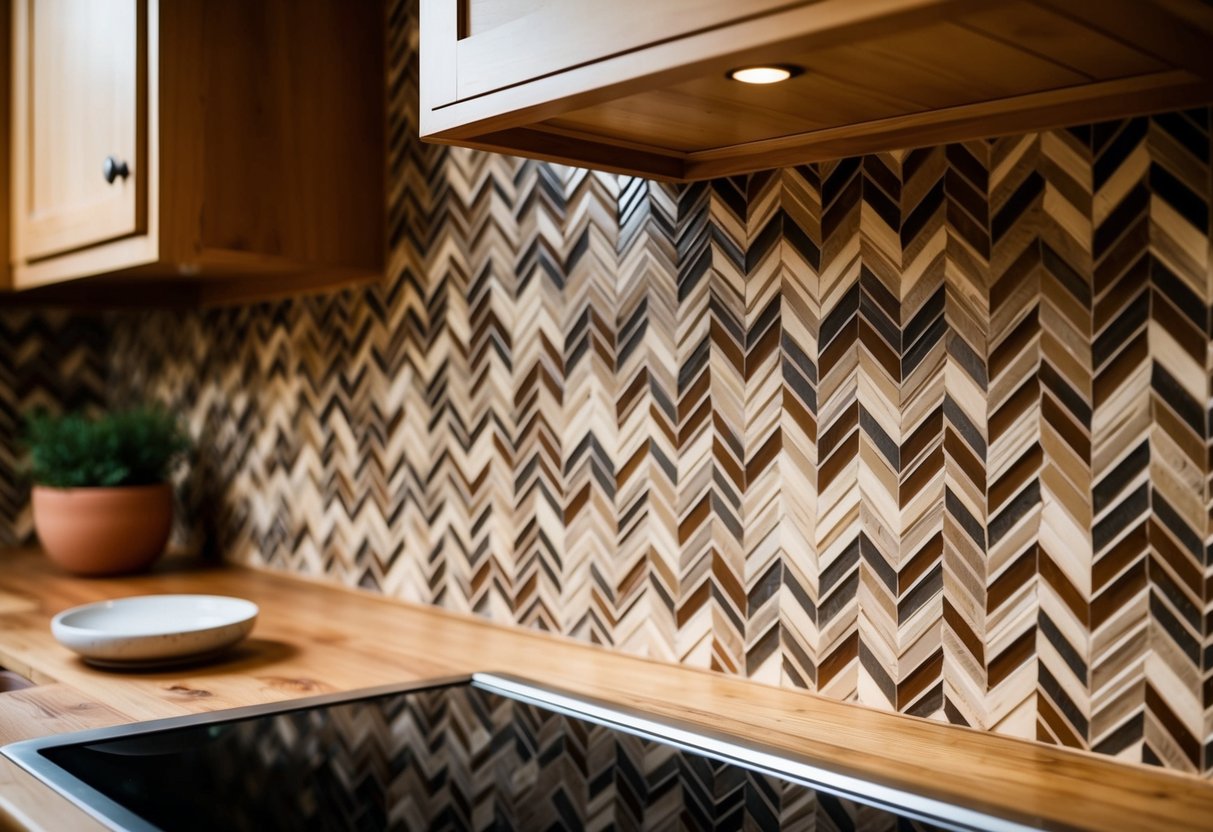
[80,96]
[559,34]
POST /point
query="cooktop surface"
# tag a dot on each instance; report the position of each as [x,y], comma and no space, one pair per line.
[489,753]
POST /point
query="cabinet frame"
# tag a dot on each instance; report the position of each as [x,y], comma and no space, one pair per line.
[263,133]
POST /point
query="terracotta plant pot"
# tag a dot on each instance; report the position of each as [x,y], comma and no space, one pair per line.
[103,531]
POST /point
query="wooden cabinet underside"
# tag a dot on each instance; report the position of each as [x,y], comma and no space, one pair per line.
[878,75]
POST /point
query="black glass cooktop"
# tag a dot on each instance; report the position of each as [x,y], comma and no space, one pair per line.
[487,754]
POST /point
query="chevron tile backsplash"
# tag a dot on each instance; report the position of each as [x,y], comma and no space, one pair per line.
[926,430]
[49,361]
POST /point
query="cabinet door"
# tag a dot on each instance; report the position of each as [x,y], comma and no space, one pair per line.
[501,43]
[79,104]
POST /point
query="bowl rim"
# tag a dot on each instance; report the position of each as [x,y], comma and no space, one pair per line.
[249,613]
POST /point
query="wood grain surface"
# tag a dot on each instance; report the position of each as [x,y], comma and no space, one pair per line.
[313,638]
[891,73]
[240,186]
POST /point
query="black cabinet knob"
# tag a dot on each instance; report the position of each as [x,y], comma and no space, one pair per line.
[114,168]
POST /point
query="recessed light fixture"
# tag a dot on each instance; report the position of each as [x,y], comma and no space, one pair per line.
[772,74]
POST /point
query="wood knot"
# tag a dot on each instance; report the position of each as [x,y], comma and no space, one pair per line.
[299,684]
[188,692]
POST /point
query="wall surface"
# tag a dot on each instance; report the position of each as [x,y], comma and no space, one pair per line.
[927,430]
[48,361]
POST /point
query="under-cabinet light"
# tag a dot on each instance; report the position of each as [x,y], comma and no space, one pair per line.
[764,74]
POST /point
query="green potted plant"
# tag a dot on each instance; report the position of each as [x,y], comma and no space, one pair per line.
[102,500]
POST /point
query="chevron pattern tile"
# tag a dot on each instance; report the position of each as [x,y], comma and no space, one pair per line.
[1177,146]
[50,361]
[928,430]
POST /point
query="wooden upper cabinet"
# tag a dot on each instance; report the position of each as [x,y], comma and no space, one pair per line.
[487,53]
[81,93]
[196,150]
[642,86]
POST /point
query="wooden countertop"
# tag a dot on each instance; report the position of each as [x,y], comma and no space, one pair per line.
[313,638]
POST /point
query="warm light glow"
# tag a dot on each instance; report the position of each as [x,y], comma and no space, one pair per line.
[762,74]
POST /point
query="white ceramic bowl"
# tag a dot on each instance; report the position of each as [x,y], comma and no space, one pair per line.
[154,628]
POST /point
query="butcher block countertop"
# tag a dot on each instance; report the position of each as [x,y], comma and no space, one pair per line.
[314,638]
